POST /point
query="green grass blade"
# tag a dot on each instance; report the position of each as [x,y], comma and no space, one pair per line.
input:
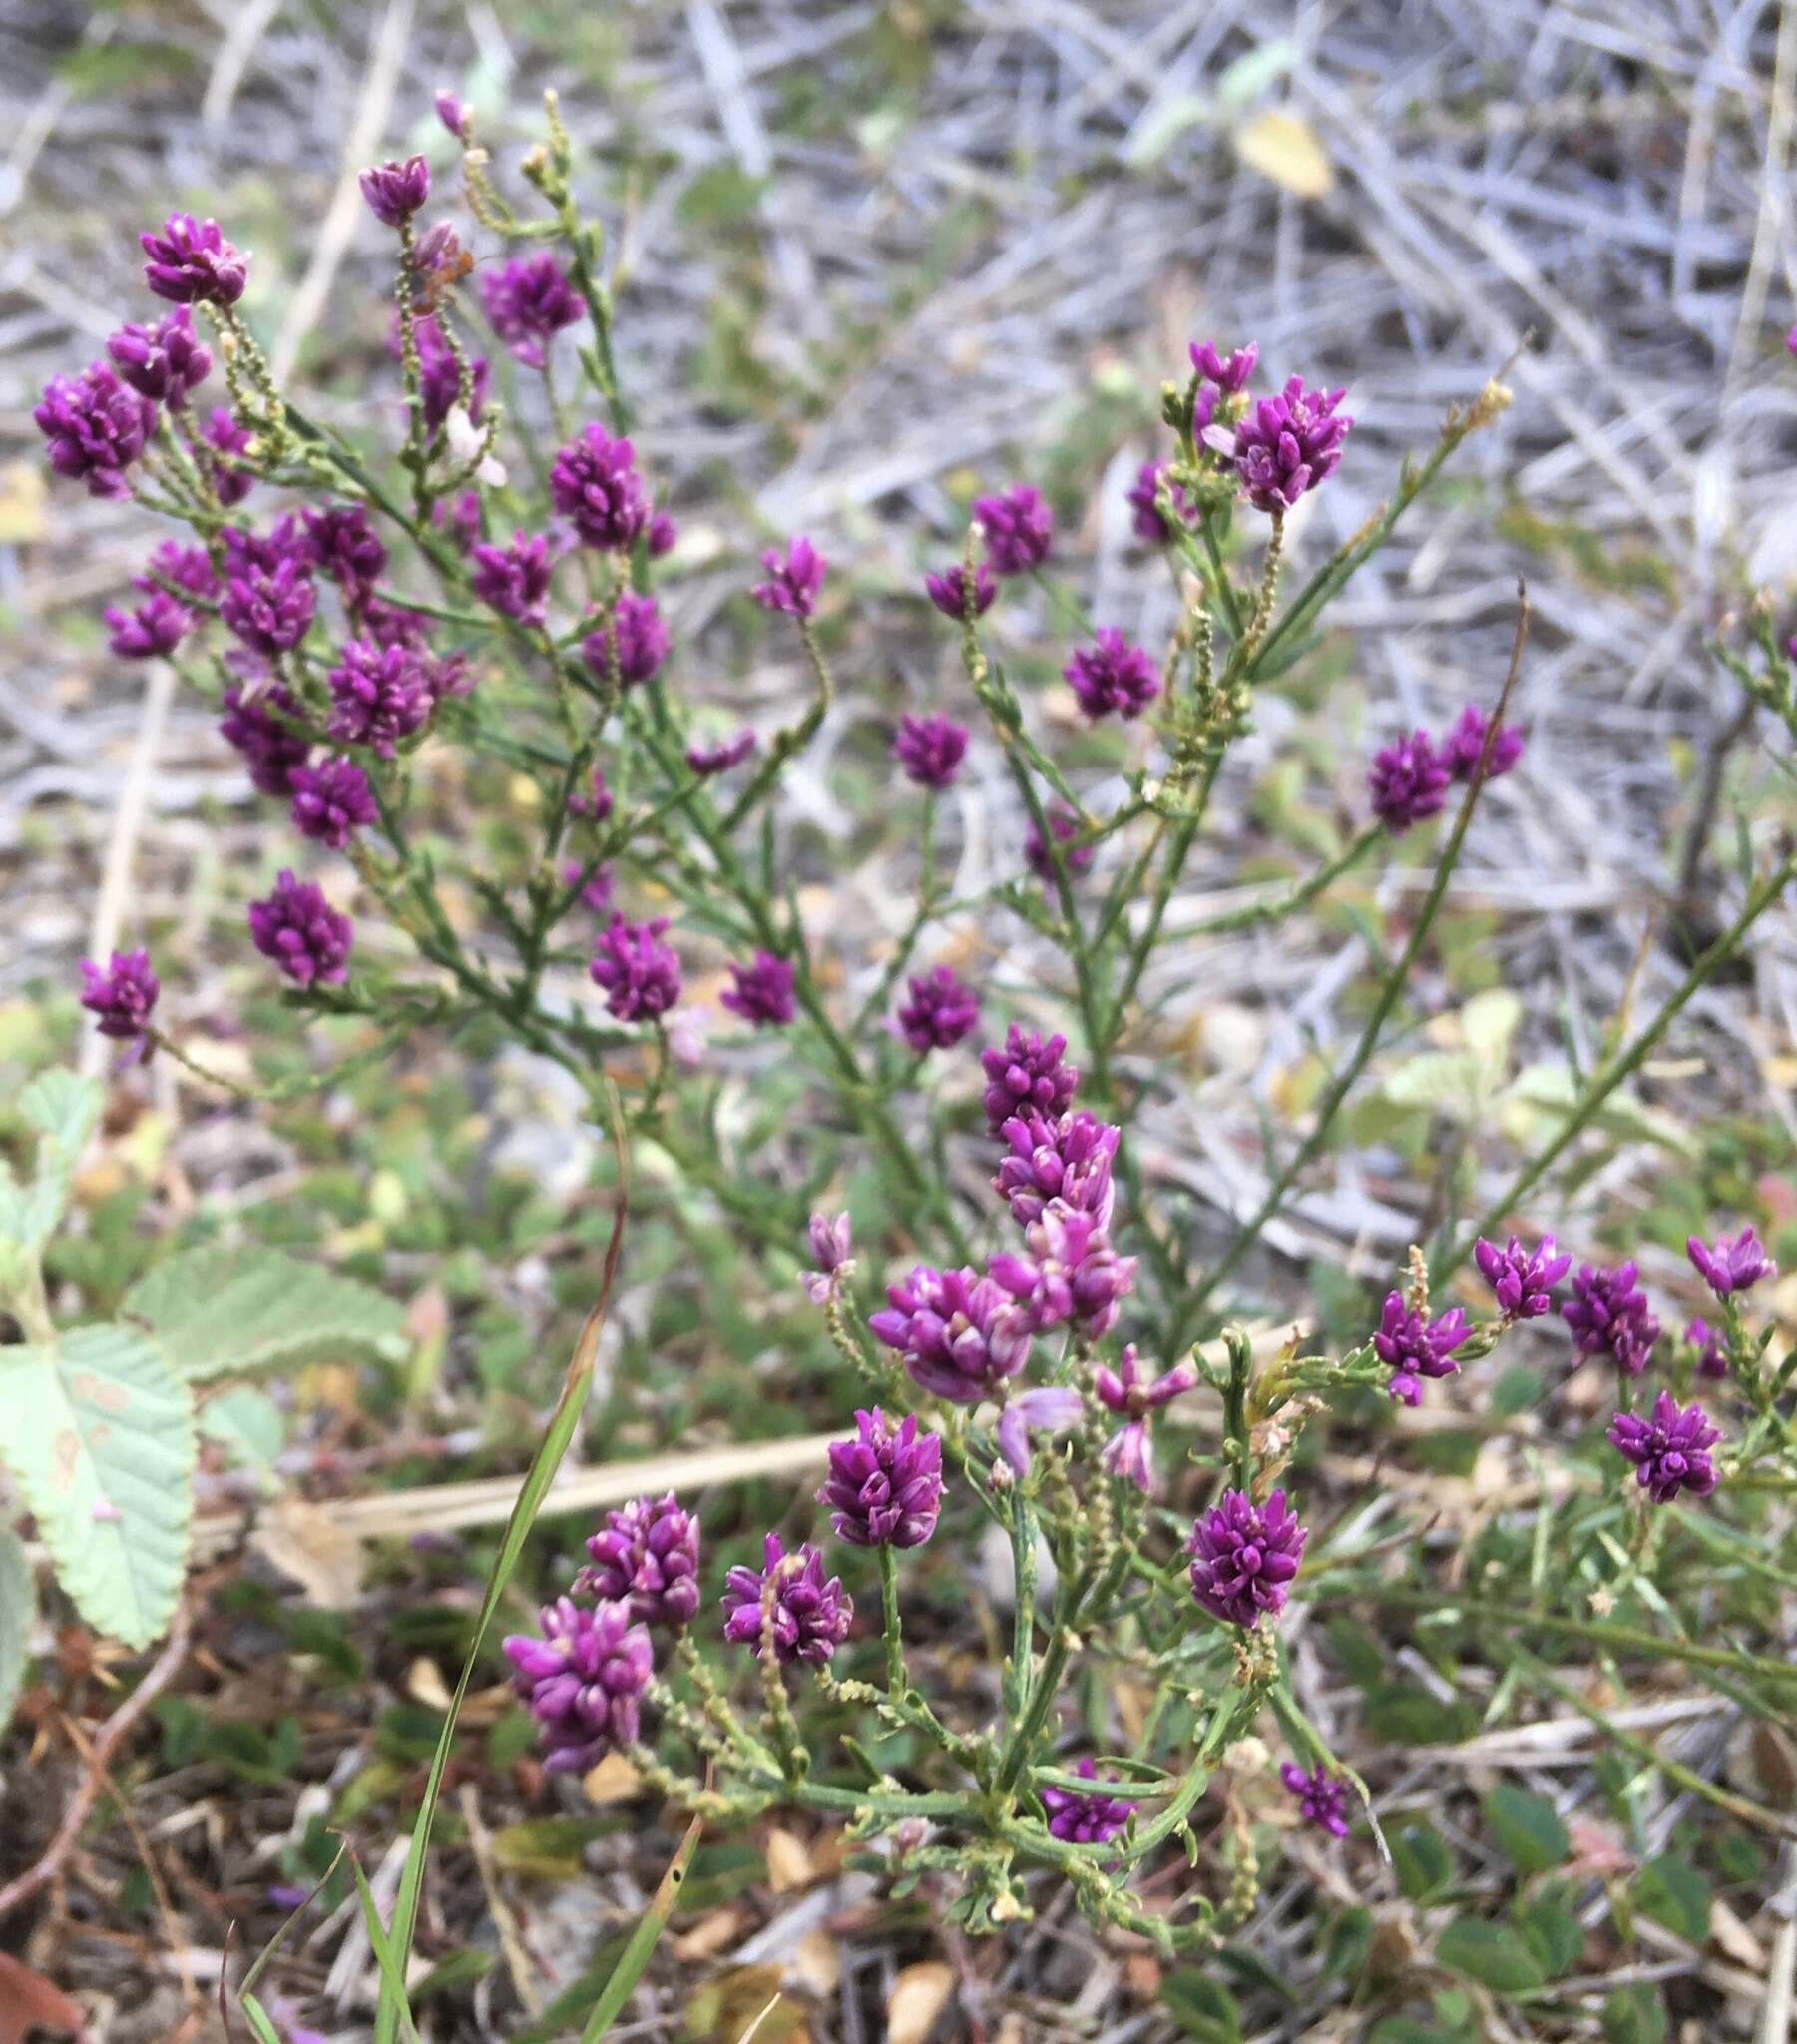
[643,1940]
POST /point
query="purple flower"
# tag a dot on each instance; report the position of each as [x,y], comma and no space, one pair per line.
[331,802]
[395,189]
[1412,1347]
[393,624]
[94,428]
[1083,1819]
[1244,1557]
[1072,1275]
[948,591]
[438,256]
[1028,1074]
[1063,824]
[460,517]
[379,695]
[958,1333]
[1145,495]
[885,1486]
[1608,1315]
[514,580]
[833,1243]
[1049,1408]
[305,936]
[793,579]
[596,804]
[641,974]
[646,1553]
[660,535]
[1127,1392]
[192,263]
[583,1681]
[1407,782]
[705,760]
[1229,374]
[594,485]
[930,749]
[122,995]
[1669,1448]
[164,360]
[1464,747]
[641,640]
[940,1010]
[596,889]
[270,610]
[1019,529]
[1113,673]
[789,1602]
[260,553]
[529,300]
[1068,1158]
[452,113]
[763,993]
[232,480]
[1734,1264]
[1522,1280]
[272,749]
[440,374]
[156,626]
[188,568]
[1712,1352]
[1288,444]
[341,541]
[1322,1796]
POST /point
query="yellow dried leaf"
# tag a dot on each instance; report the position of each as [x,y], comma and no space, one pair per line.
[1285,149]
[713,1934]
[22,494]
[788,1863]
[612,1781]
[424,1684]
[919,1995]
[816,1963]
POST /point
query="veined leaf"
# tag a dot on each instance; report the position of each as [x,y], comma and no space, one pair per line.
[236,1312]
[63,1109]
[100,1436]
[18,1612]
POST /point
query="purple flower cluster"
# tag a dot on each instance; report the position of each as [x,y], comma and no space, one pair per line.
[1608,1315]
[959,1335]
[121,995]
[706,761]
[1068,1158]
[1669,1448]
[1063,824]
[1229,372]
[645,1555]
[637,632]
[270,609]
[1734,1264]
[793,579]
[1464,747]
[164,360]
[1049,1408]
[342,543]
[396,189]
[1711,1349]
[942,1009]
[514,580]
[1287,444]
[641,974]
[1085,1818]
[528,301]
[1413,1346]
[1112,675]
[192,263]
[930,750]
[1245,1556]
[93,427]
[1523,1280]
[788,1600]
[593,484]
[379,695]
[762,991]
[885,1486]
[1128,1392]
[953,590]
[1071,1275]
[1144,503]
[440,373]
[149,630]
[331,802]
[833,1243]
[1019,529]
[272,748]
[308,939]
[1322,1796]
[1408,781]
[1026,1074]
[583,1681]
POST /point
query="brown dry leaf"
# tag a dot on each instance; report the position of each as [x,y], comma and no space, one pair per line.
[1775,1761]
[1142,1976]
[816,1963]
[612,1781]
[788,1863]
[306,1545]
[29,2002]
[1737,1940]
[424,1684]
[747,2000]
[1284,148]
[715,1933]
[919,1995]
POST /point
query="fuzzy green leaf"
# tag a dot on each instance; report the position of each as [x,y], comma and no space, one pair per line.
[236,1312]
[1526,1828]
[100,1437]
[18,1612]
[63,1109]
[1491,1953]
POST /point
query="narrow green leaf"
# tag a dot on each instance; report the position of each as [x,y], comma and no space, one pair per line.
[99,1436]
[18,1613]
[258,2019]
[649,1926]
[238,1312]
